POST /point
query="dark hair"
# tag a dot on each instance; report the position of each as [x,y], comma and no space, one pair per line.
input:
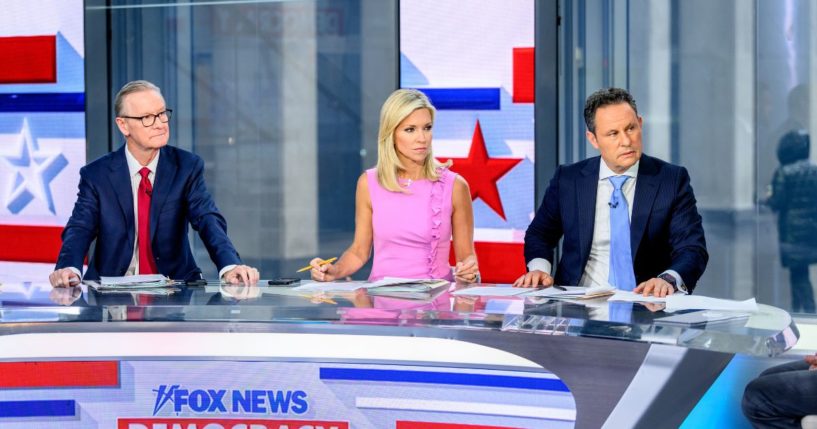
[605,97]
[793,147]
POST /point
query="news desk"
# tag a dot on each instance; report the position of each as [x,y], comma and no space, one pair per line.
[267,357]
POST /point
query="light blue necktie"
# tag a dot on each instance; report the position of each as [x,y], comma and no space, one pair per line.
[621,257]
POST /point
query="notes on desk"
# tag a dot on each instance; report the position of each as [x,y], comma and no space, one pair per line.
[702,317]
[694,302]
[127,283]
[408,288]
[142,280]
[328,286]
[573,292]
[492,291]
[681,301]
[630,296]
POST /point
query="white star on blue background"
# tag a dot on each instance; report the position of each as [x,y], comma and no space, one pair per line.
[32,172]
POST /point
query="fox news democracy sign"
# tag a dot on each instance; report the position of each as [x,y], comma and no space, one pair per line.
[196,423]
[180,399]
[238,401]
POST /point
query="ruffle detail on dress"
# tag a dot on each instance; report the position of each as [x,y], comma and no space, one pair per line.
[437,203]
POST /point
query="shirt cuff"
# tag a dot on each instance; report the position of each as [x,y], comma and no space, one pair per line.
[225,270]
[540,264]
[679,282]
[77,272]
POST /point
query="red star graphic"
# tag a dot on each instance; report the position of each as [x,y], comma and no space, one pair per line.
[482,172]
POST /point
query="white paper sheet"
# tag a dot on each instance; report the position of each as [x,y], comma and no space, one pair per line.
[410,285]
[695,302]
[142,280]
[629,296]
[330,286]
[571,291]
[132,280]
[492,291]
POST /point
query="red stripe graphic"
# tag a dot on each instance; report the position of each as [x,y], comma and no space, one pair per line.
[59,374]
[498,262]
[429,425]
[523,75]
[28,59]
[25,243]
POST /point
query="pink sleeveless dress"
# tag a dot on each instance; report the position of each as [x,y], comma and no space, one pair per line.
[412,232]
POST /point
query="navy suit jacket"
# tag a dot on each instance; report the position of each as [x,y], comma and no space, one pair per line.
[104,212]
[665,227]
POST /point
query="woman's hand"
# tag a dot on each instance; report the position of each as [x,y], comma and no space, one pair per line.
[467,270]
[322,273]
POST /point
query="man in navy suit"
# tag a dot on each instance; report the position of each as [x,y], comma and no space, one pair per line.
[137,202]
[666,249]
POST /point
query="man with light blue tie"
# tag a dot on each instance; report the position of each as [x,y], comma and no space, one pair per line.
[627,219]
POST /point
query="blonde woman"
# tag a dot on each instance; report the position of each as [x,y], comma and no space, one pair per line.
[409,206]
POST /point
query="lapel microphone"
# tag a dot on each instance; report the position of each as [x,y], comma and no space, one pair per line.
[613,205]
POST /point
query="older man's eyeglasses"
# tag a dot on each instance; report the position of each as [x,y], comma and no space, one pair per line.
[149,120]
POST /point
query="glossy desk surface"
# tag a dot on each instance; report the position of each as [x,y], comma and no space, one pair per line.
[25,305]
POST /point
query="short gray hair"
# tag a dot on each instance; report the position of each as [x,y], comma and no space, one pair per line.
[130,88]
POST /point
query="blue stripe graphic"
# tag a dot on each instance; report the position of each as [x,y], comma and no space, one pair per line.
[463,98]
[56,102]
[55,408]
[449,378]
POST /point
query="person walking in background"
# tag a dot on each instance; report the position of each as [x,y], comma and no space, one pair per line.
[793,196]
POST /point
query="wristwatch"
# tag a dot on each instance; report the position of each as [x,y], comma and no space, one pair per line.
[669,278]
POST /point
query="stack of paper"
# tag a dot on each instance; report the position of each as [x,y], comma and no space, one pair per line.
[703,317]
[573,292]
[144,281]
[681,301]
[696,302]
[630,296]
[492,291]
[389,286]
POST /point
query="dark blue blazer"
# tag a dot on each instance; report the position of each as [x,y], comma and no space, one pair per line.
[104,212]
[665,228]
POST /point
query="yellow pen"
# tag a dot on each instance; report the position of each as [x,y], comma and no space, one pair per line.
[309,267]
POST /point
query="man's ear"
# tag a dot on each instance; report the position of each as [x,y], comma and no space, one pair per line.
[591,138]
[123,127]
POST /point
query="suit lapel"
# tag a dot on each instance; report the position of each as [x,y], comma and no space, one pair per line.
[165,176]
[646,188]
[121,182]
[586,205]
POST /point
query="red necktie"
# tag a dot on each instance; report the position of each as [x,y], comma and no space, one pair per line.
[147,265]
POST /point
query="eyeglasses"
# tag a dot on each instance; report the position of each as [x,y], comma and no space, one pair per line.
[149,120]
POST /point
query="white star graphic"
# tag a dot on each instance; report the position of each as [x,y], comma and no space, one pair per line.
[32,172]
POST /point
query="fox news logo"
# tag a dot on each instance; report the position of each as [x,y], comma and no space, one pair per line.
[230,401]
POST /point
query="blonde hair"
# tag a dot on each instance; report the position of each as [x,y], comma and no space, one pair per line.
[399,106]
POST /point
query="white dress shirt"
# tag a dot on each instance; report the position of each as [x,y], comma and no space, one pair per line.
[135,178]
[597,269]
